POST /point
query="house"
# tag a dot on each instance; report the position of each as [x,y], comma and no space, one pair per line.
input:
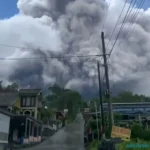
[19,129]
[30,102]
[4,129]
[25,102]
[25,129]
[22,108]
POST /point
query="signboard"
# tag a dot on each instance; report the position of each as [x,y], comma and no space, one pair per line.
[123,133]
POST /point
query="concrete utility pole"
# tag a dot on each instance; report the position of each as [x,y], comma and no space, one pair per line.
[101,100]
[111,119]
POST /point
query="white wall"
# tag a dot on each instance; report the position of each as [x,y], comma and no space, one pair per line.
[4,128]
[4,123]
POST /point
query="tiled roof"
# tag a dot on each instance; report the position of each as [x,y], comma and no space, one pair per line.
[29,91]
[7,99]
[13,115]
[5,112]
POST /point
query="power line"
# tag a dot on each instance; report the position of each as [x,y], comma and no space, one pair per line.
[51,57]
[141,4]
[121,27]
[20,47]
[133,19]
[116,24]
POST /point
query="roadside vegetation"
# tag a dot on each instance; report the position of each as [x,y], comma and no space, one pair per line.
[59,98]
[140,134]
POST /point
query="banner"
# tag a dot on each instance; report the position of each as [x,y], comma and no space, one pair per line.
[123,133]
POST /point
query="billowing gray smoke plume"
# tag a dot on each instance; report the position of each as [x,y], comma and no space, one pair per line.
[78,22]
[76,26]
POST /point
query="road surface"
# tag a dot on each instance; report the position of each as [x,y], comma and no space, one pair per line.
[69,138]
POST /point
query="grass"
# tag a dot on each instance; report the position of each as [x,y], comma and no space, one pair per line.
[93,145]
[141,145]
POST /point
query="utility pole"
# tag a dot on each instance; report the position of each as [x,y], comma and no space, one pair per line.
[97,120]
[101,100]
[111,119]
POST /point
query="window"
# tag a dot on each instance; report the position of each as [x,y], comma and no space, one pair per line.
[28,101]
[32,101]
[24,101]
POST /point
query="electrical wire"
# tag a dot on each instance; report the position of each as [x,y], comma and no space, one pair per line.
[141,4]
[121,28]
[50,57]
[133,19]
[116,24]
[20,47]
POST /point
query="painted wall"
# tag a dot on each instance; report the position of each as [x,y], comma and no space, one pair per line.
[17,103]
[4,128]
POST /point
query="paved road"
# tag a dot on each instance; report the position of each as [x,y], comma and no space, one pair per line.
[69,138]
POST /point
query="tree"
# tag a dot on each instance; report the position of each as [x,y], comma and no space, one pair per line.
[127,97]
[9,88]
[1,87]
[46,114]
[62,98]
[70,100]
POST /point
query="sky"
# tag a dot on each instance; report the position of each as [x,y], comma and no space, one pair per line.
[8,8]
[147,4]
[47,30]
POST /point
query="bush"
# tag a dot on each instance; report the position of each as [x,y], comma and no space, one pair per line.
[138,132]
[93,145]
[92,123]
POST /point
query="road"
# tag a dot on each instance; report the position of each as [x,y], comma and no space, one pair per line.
[69,138]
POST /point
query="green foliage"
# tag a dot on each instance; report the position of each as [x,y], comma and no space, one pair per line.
[128,97]
[138,132]
[46,114]
[93,145]
[92,123]
[9,88]
[124,145]
[61,99]
[117,116]
[107,132]
[15,109]
[124,96]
